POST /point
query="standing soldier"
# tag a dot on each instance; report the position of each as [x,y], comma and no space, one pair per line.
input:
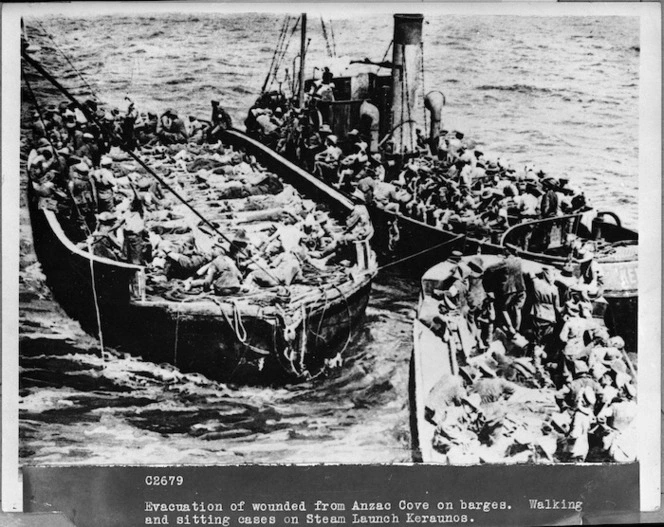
[549,204]
[104,186]
[577,438]
[81,192]
[505,281]
[545,307]
[220,121]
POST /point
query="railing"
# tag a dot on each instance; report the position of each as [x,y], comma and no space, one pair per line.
[541,235]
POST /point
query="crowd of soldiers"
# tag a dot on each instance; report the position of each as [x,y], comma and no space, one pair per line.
[116,209]
[451,185]
[509,328]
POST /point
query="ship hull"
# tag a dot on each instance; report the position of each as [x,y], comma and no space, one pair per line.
[231,339]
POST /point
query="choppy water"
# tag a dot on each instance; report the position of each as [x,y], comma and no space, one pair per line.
[558,93]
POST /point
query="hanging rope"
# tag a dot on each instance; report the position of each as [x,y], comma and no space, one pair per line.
[177,332]
[348,319]
[111,134]
[96,300]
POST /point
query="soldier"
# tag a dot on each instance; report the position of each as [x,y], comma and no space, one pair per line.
[171,129]
[219,122]
[545,308]
[104,186]
[582,419]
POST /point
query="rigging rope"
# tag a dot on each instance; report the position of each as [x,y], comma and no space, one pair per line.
[111,134]
[69,61]
[406,89]
[334,43]
[389,46]
[94,295]
[327,40]
[282,33]
[401,78]
[419,253]
[57,158]
[282,55]
[424,110]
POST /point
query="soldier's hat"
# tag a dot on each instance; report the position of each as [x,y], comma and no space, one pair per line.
[241,238]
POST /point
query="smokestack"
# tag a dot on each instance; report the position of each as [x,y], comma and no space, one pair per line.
[407,60]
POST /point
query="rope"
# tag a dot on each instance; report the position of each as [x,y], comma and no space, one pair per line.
[389,134]
[389,46]
[110,133]
[237,318]
[238,327]
[424,110]
[401,78]
[303,339]
[96,300]
[348,318]
[405,81]
[282,33]
[322,315]
[334,43]
[57,158]
[419,253]
[284,51]
[177,333]
[327,42]
[68,61]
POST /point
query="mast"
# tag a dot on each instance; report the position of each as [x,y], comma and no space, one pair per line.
[303,50]
[406,62]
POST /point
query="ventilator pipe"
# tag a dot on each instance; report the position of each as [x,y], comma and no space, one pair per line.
[370,123]
[434,102]
[406,73]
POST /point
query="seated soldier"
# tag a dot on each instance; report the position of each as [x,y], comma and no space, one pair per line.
[221,274]
[352,165]
[327,162]
[284,269]
[171,129]
[103,241]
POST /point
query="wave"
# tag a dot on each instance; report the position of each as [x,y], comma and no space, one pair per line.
[519,88]
[181,80]
[242,90]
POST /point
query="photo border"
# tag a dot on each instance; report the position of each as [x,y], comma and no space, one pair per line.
[649,221]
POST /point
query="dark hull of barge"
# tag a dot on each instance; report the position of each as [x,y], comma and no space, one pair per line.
[620,288]
[244,343]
